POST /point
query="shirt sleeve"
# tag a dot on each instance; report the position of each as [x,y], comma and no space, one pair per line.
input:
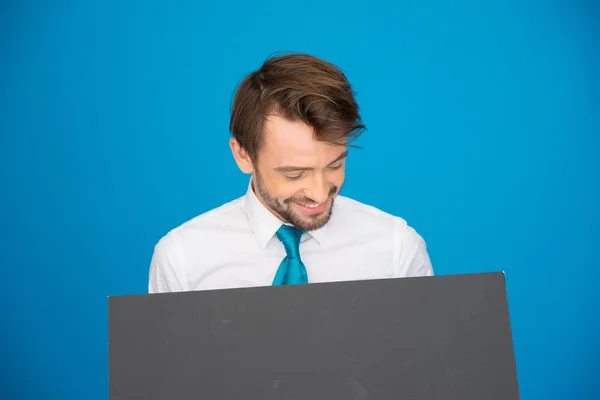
[411,258]
[166,273]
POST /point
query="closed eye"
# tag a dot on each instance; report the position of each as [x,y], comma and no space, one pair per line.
[293,177]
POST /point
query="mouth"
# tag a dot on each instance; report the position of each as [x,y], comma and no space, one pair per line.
[312,208]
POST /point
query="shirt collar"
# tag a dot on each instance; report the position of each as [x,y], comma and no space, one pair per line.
[265,224]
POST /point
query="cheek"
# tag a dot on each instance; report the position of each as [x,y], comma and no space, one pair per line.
[281,188]
[337,177]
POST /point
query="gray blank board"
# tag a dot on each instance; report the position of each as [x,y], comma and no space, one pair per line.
[442,337]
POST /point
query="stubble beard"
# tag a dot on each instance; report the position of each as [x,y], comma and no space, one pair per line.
[286,212]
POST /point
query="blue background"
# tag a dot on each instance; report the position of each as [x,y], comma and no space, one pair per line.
[483,134]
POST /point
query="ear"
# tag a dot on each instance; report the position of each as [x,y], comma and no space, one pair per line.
[241,157]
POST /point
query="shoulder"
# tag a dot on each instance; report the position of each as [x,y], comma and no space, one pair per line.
[408,246]
[202,226]
[177,249]
[365,216]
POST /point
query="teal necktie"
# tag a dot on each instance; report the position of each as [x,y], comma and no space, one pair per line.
[291,270]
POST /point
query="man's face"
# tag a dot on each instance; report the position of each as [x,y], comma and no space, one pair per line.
[297,177]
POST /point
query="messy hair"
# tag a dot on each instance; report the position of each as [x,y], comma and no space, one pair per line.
[297,87]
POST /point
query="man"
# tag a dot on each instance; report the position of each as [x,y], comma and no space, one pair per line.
[292,122]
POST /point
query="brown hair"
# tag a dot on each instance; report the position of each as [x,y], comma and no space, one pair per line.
[298,87]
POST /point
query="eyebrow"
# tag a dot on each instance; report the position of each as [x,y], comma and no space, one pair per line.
[291,168]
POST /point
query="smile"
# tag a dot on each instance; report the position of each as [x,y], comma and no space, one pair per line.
[310,205]
[312,208]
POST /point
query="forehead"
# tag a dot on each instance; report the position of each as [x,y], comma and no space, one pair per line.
[293,142]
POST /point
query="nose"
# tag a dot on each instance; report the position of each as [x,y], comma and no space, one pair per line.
[319,189]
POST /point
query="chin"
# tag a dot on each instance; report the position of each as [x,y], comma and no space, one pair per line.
[312,223]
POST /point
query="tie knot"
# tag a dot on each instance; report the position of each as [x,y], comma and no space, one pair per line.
[290,237]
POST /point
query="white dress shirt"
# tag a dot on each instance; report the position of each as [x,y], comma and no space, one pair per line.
[235,245]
